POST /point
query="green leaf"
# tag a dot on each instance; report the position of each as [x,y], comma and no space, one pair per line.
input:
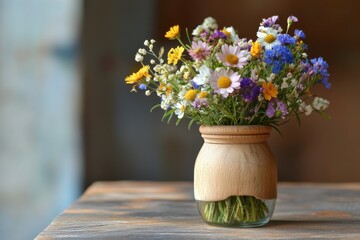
[154,107]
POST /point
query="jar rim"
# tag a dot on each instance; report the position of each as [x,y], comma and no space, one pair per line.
[235,134]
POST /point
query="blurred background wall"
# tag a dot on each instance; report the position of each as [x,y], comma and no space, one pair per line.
[125,141]
[40,140]
[65,125]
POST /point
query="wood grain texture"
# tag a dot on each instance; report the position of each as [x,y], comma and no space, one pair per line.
[235,161]
[164,210]
[235,134]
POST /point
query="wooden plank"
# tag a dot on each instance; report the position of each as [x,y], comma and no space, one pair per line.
[163,210]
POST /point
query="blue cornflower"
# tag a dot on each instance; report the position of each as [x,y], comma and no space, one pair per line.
[299,33]
[196,86]
[142,87]
[286,39]
[249,90]
[278,57]
[319,66]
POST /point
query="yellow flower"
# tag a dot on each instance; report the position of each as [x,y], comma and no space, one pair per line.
[173,33]
[136,77]
[190,95]
[270,90]
[174,55]
[165,88]
[226,32]
[203,95]
[255,49]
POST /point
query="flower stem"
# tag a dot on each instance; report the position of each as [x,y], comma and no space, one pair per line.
[235,210]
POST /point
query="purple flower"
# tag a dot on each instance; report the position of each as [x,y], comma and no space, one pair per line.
[249,90]
[299,33]
[204,34]
[286,39]
[270,111]
[270,22]
[199,50]
[292,19]
[281,108]
[200,102]
[278,57]
[218,34]
[279,111]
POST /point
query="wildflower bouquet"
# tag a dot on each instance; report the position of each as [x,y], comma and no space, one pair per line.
[218,78]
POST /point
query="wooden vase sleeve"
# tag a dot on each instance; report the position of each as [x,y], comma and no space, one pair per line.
[235,169]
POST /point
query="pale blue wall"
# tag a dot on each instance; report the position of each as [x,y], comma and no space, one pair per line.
[40,159]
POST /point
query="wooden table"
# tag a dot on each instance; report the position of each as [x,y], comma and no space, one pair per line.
[167,210]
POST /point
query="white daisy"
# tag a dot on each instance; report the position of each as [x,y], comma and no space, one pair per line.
[231,33]
[224,82]
[203,76]
[267,37]
[233,56]
[180,109]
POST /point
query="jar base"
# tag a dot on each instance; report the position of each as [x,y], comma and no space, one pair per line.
[237,211]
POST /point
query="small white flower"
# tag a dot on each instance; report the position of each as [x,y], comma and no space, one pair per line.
[243,44]
[203,76]
[180,109]
[233,36]
[261,80]
[146,43]
[197,31]
[139,57]
[151,47]
[284,84]
[271,77]
[197,65]
[254,76]
[152,41]
[165,103]
[152,61]
[186,75]
[306,109]
[147,93]
[320,104]
[183,68]
[293,82]
[304,55]
[210,23]
[142,51]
